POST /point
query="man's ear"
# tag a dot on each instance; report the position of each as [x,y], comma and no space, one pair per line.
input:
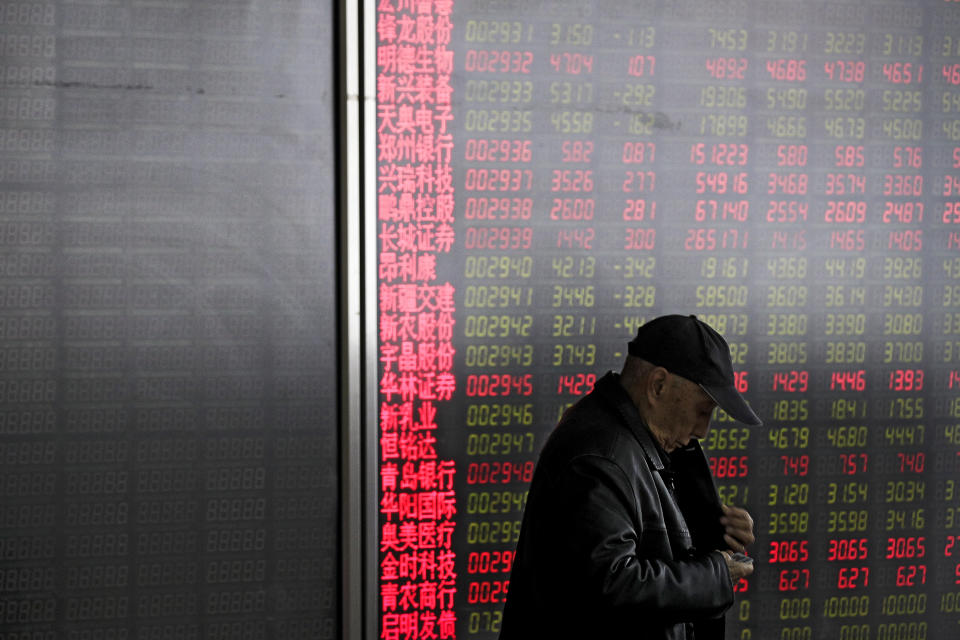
[656,384]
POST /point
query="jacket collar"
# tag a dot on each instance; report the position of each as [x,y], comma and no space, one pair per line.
[611,390]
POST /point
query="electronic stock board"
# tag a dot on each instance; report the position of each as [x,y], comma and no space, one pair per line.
[552,174]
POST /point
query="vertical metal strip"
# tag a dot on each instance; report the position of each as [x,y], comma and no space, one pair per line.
[349,222]
[371,389]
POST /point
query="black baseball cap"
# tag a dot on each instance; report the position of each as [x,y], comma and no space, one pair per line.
[689,347]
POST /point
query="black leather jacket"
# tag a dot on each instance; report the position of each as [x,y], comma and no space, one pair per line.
[605,550]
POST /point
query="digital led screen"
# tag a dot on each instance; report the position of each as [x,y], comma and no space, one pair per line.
[552,174]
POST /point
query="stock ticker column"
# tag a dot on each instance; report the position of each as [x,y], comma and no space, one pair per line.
[557,194]
[821,556]
[509,280]
[780,474]
[895,478]
[944,302]
[417,505]
[707,198]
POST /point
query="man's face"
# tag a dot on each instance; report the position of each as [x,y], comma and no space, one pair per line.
[682,412]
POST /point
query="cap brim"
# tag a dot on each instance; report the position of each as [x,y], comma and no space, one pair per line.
[730,400]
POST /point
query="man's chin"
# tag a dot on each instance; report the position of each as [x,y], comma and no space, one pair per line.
[678,444]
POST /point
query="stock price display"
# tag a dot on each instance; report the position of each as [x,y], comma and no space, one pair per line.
[553,174]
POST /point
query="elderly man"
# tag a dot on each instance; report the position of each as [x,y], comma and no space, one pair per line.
[623,535]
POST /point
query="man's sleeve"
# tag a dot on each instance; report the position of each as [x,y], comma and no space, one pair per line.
[603,519]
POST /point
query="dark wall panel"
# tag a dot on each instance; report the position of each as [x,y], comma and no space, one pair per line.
[168,437]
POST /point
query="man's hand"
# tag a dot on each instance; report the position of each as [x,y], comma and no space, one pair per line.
[738,533]
[737,567]
[738,528]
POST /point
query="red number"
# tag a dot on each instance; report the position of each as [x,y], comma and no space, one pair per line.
[788,551]
[794,579]
[910,575]
[853,577]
